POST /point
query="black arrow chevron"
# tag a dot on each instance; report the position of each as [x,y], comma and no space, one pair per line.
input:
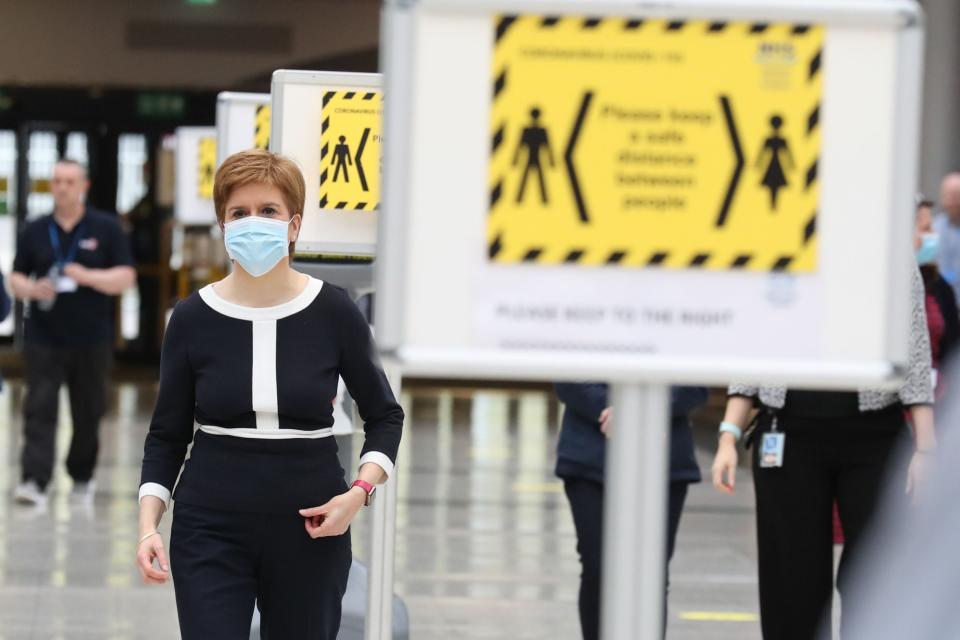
[738,153]
[568,156]
[363,144]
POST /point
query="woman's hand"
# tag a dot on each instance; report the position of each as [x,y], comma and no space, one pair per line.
[926,445]
[604,419]
[149,550]
[724,468]
[917,473]
[150,547]
[334,518]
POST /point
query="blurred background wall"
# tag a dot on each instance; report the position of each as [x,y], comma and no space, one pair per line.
[940,142]
[209,44]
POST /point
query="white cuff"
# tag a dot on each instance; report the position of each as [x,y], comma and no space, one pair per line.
[156,490]
[379,459]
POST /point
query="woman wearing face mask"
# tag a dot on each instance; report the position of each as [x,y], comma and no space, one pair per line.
[943,320]
[262,509]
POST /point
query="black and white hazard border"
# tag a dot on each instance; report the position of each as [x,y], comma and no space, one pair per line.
[258,128]
[206,167]
[325,134]
[657,258]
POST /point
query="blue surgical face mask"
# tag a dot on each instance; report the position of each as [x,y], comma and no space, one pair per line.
[929,247]
[257,244]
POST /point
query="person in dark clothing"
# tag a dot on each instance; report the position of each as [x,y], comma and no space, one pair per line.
[943,317]
[69,266]
[5,307]
[5,303]
[581,460]
[812,448]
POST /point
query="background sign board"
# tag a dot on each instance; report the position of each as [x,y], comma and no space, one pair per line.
[243,122]
[640,193]
[331,124]
[196,159]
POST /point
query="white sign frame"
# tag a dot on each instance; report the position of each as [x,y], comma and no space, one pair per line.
[862,288]
[189,208]
[296,130]
[236,121]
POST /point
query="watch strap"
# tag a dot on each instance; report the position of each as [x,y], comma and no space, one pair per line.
[367,488]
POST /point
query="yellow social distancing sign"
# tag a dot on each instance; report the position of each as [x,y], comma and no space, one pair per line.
[261,132]
[655,143]
[350,158]
[206,167]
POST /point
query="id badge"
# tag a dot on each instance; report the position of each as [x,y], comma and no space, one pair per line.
[64,284]
[771,449]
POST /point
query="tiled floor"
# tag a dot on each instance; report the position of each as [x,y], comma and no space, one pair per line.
[485,544]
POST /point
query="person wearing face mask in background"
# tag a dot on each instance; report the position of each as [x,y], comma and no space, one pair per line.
[262,509]
[68,268]
[947,225]
[943,318]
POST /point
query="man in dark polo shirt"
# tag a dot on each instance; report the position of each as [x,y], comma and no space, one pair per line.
[69,265]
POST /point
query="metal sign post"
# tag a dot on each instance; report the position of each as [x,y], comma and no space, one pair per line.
[379,624]
[634,508]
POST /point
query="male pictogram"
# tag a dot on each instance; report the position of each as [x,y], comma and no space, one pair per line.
[774,178]
[536,141]
[341,157]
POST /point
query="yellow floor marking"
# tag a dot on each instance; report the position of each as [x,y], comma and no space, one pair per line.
[719,616]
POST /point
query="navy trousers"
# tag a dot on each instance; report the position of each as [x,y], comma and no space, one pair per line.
[586,504]
[223,561]
[86,371]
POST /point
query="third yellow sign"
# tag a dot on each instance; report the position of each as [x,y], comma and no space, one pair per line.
[655,143]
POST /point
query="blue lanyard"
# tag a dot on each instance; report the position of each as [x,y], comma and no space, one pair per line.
[63,260]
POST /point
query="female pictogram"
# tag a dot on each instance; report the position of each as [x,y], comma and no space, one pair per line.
[535,140]
[341,157]
[775,155]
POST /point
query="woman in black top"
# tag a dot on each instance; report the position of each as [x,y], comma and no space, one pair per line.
[262,511]
[812,449]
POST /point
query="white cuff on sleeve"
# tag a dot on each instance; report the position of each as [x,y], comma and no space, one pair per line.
[379,459]
[156,490]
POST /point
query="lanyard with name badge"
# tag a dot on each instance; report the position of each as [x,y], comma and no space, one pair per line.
[771,447]
[62,283]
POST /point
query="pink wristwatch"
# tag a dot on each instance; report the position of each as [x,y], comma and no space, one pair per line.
[368,488]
